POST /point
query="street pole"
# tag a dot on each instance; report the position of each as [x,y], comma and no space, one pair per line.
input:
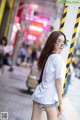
[16,48]
[11,28]
[18,36]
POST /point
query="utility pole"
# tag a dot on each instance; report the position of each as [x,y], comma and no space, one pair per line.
[18,38]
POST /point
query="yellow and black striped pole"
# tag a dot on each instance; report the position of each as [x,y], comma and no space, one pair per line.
[63,18]
[62,24]
[72,46]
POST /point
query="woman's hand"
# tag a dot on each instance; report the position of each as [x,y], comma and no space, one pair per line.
[60,110]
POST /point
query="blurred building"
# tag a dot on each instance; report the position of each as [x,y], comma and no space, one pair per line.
[29,20]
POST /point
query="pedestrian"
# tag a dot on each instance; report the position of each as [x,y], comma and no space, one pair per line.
[6,58]
[34,55]
[49,91]
[3,43]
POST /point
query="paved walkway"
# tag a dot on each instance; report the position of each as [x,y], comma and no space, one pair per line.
[74,95]
[13,95]
[15,100]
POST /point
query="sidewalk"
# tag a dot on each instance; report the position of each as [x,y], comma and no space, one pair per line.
[15,100]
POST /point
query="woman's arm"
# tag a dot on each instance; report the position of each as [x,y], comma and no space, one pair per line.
[59,89]
[59,92]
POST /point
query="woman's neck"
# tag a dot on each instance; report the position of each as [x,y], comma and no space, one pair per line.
[56,52]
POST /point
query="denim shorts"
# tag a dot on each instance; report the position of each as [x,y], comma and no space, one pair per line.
[48,105]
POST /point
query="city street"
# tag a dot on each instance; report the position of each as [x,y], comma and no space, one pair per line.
[15,100]
[30,32]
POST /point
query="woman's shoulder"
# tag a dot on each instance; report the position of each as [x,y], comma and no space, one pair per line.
[56,59]
[56,56]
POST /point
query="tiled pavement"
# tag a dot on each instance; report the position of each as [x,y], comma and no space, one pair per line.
[15,100]
[13,95]
[18,107]
[74,95]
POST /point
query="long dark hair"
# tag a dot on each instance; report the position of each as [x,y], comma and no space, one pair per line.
[49,45]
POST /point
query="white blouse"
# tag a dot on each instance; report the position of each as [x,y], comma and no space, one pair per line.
[45,92]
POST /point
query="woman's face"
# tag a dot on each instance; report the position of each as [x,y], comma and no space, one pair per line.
[60,43]
[3,42]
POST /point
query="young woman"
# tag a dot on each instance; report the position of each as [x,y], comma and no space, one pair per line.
[49,91]
[3,43]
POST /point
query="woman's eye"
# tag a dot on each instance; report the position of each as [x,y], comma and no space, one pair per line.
[58,41]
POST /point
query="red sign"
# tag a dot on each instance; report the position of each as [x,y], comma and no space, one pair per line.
[35,28]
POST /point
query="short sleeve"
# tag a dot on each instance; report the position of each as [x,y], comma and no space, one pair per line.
[57,66]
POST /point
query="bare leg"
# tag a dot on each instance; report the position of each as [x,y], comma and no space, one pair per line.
[51,113]
[37,111]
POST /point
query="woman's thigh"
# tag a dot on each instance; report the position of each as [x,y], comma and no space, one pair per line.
[37,111]
[51,113]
